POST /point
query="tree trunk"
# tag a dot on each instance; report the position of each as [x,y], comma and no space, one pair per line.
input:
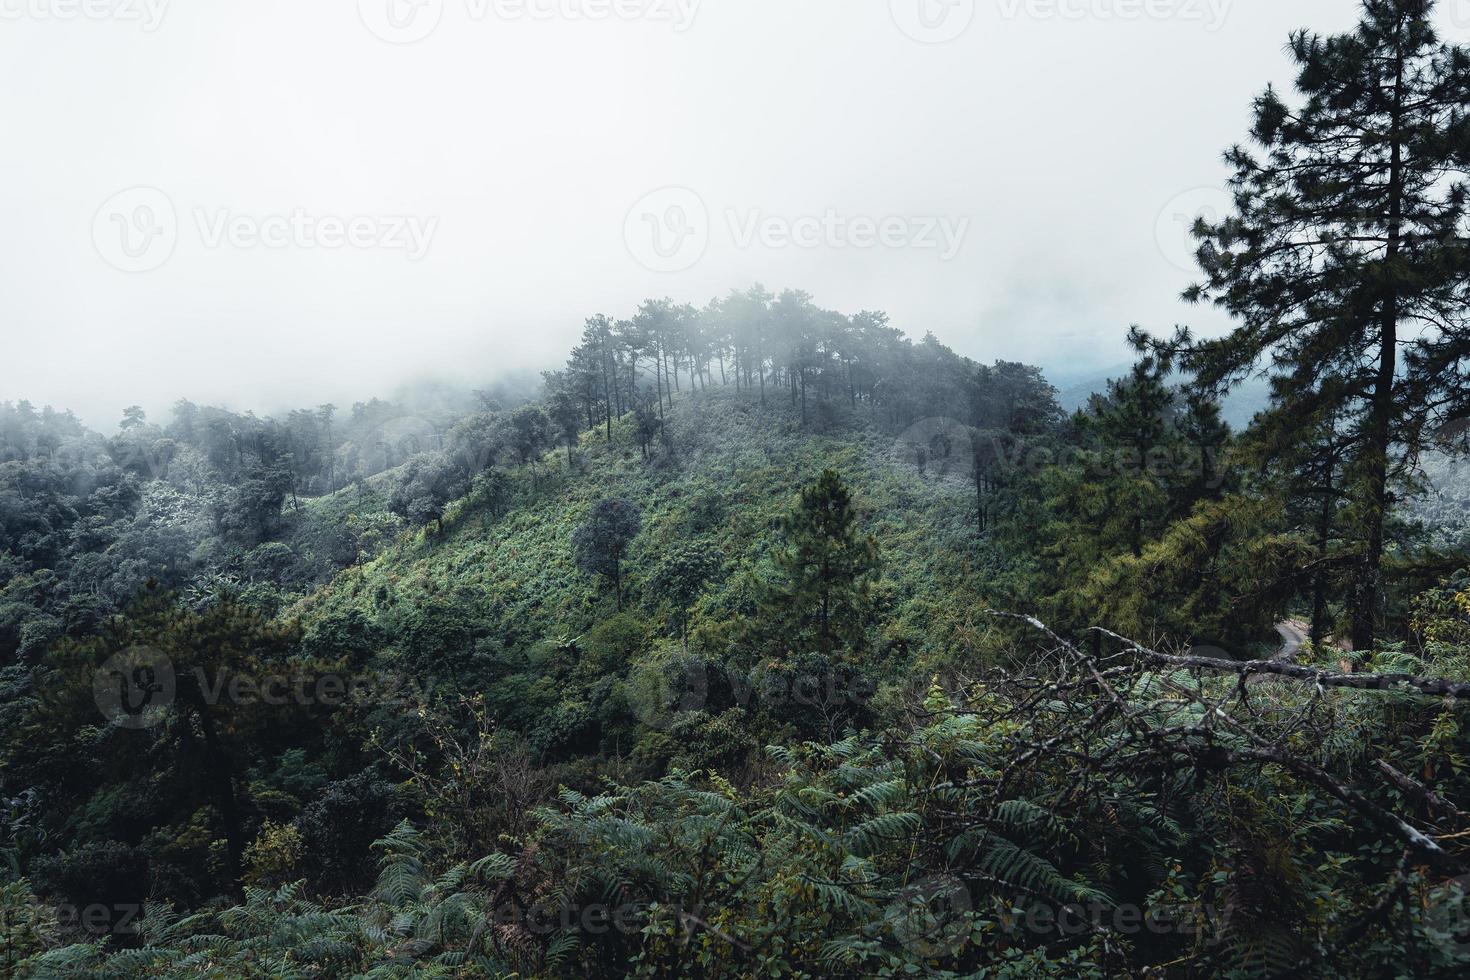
[761,364]
[1368,589]
[607,386]
[1319,580]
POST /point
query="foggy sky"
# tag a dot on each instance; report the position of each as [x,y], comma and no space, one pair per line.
[327,214]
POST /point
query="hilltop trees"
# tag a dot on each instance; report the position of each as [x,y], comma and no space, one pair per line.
[1346,262]
[813,360]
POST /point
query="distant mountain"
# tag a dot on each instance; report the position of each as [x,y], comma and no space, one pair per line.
[1074,388]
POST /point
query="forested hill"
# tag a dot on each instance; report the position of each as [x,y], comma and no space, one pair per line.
[500,577]
[705,639]
[213,500]
[757,524]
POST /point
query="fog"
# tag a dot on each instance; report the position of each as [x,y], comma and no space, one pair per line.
[283,202]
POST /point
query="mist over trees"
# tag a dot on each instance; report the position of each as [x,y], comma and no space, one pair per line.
[768,641]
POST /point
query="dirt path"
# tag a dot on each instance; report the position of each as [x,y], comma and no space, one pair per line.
[1294,636]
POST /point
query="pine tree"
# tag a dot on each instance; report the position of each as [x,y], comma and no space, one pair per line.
[1133,436]
[828,569]
[1350,243]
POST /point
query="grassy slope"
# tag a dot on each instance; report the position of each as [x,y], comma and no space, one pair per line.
[509,581]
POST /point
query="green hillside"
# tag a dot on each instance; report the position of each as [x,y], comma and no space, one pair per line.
[484,598]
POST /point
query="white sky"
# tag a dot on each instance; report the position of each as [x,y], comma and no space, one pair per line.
[1060,130]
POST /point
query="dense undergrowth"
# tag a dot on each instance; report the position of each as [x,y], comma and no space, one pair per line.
[556,786]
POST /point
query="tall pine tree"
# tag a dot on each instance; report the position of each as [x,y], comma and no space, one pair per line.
[1346,261]
[827,569]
